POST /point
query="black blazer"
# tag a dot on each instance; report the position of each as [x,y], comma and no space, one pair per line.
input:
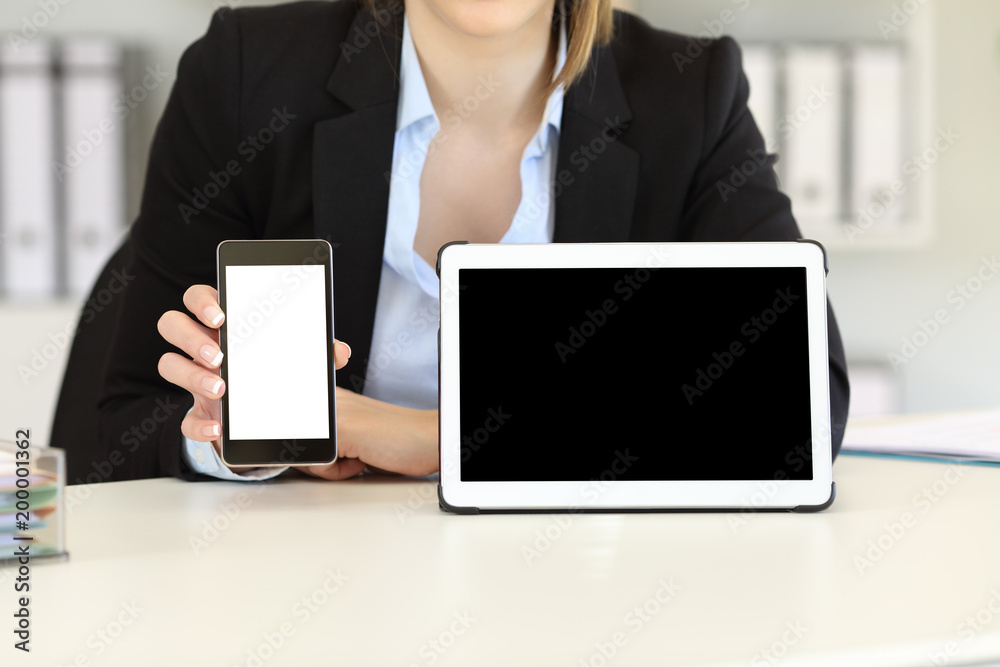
[281,125]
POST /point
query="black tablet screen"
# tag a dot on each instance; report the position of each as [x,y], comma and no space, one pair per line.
[634,374]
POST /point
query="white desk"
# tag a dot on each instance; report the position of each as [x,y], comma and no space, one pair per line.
[410,577]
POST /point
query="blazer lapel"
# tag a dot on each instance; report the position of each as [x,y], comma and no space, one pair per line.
[597,174]
[352,157]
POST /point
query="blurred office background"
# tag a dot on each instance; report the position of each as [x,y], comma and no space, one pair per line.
[884,113]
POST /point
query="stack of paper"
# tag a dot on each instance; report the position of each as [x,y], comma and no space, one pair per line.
[967,437]
[42,501]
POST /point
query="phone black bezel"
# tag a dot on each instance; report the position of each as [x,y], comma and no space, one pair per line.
[286,452]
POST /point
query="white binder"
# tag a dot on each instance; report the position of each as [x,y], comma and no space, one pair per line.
[760,66]
[28,192]
[811,128]
[878,186]
[93,158]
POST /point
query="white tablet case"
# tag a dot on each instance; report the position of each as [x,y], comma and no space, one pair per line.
[633,496]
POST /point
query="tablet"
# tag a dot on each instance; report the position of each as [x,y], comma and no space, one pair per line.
[634,376]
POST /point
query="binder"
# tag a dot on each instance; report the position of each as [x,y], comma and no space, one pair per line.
[811,129]
[28,206]
[92,166]
[878,187]
[760,67]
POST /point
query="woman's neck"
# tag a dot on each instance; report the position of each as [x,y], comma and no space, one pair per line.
[495,84]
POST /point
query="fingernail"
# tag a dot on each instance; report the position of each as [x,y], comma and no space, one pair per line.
[211,430]
[214,315]
[348,348]
[212,354]
[212,384]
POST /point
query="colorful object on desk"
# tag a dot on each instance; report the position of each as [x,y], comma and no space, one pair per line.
[971,437]
[31,515]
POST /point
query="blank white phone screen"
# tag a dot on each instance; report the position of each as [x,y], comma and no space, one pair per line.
[277,357]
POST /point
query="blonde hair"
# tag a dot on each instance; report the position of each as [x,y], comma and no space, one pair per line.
[590,23]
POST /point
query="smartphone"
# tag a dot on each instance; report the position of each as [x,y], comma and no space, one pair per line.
[279,406]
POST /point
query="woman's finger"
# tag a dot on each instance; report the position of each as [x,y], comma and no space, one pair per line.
[190,376]
[198,341]
[341,353]
[203,302]
[199,426]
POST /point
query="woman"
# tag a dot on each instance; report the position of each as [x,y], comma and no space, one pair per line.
[391,132]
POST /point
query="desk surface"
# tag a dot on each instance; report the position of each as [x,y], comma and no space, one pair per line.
[370,572]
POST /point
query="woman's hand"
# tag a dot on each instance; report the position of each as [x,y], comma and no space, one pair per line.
[198,373]
[382,436]
[369,432]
